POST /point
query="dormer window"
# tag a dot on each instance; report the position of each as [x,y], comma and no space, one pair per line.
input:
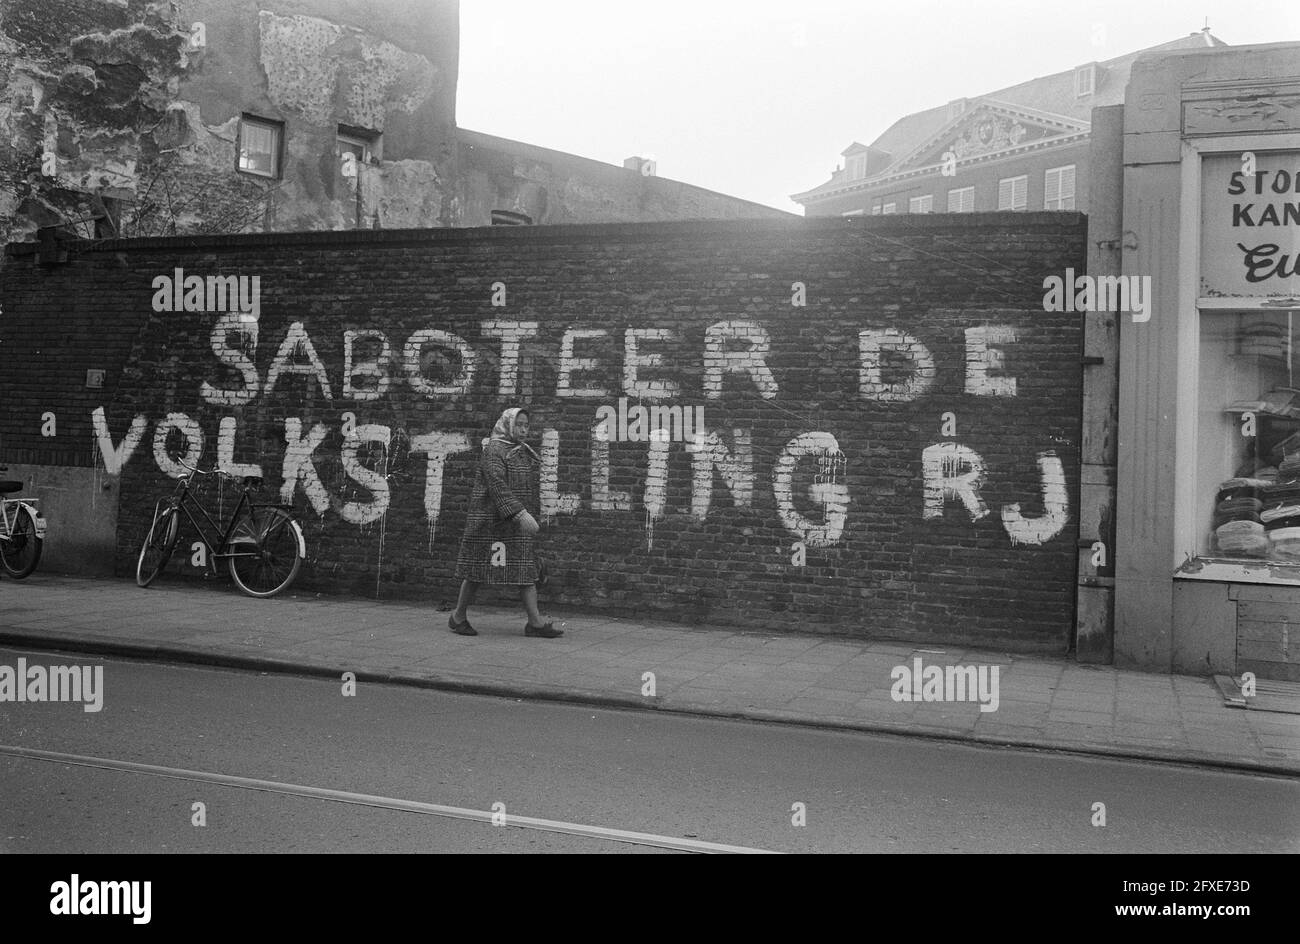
[857,166]
[1085,80]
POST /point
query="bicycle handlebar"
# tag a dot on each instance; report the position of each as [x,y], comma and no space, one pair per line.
[213,471]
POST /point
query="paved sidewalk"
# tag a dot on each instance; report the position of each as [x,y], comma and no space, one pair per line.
[1043,702]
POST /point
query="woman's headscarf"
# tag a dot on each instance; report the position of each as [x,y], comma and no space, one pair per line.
[504,431]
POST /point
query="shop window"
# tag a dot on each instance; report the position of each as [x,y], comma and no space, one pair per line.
[260,146]
[1248,431]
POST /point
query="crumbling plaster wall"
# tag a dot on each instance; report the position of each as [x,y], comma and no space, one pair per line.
[314,67]
[139,104]
[83,81]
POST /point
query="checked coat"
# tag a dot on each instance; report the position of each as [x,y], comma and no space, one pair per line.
[506,483]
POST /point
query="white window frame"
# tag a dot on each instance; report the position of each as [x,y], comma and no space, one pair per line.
[875,210]
[889,208]
[1061,197]
[259,126]
[853,213]
[1085,80]
[961,193]
[1008,198]
[923,204]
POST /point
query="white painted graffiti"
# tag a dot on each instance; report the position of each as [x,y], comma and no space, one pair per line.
[810,478]
[951,472]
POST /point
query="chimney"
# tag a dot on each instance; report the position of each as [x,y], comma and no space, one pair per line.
[644,166]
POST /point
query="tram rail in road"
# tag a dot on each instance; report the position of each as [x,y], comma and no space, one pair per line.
[494,818]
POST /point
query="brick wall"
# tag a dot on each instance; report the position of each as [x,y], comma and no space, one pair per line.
[828,434]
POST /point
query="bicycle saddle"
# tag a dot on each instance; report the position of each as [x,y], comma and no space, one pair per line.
[7,487]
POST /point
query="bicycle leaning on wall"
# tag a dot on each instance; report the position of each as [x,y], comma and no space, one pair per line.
[22,530]
[262,544]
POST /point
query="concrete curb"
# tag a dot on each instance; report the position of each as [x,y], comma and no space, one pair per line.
[450,683]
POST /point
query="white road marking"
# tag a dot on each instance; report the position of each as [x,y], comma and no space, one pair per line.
[381,802]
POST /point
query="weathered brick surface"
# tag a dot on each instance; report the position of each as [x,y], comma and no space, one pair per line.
[907,560]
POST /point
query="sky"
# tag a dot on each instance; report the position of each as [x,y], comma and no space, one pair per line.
[757,99]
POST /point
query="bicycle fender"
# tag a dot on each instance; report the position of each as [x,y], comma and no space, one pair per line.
[302,541]
[37,519]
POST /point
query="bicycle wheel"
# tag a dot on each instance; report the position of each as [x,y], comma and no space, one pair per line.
[266,551]
[157,547]
[20,552]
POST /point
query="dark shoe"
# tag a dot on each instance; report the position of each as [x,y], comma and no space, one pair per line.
[548,631]
[460,629]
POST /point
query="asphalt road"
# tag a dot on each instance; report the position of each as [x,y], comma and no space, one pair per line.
[733,783]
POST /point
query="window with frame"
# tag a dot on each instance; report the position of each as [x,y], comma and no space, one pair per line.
[1058,188]
[961,200]
[1013,193]
[364,146]
[889,208]
[923,204]
[1248,436]
[259,147]
[875,209]
[857,165]
[1085,80]
[853,213]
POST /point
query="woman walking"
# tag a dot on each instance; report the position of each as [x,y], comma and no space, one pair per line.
[501,525]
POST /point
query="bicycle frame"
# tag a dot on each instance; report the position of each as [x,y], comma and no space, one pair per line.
[182,500]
